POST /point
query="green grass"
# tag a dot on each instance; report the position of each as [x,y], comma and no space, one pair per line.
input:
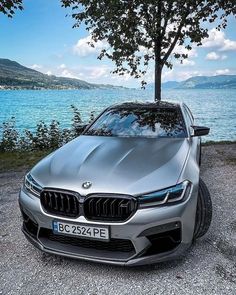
[15,161]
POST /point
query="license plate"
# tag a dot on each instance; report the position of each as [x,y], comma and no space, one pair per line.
[81,230]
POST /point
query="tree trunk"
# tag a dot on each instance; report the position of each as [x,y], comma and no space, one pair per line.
[158,71]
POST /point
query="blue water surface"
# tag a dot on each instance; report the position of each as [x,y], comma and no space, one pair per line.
[214,108]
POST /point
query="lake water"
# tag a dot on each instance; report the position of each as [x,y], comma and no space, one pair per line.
[213,108]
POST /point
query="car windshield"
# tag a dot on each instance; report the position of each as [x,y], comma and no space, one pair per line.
[139,122]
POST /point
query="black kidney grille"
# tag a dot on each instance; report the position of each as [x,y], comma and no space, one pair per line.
[109,208]
[60,203]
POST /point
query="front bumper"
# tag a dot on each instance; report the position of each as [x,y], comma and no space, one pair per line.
[156,234]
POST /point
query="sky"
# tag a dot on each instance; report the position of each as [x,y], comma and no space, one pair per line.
[41,37]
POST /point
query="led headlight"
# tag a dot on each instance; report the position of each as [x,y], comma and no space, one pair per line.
[174,194]
[31,185]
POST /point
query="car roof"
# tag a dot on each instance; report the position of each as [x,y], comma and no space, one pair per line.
[144,105]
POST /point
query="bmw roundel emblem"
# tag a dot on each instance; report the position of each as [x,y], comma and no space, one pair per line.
[86,184]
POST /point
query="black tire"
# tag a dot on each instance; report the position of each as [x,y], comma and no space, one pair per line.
[204,211]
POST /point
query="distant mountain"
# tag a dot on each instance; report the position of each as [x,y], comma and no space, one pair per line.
[170,84]
[15,76]
[212,82]
[202,82]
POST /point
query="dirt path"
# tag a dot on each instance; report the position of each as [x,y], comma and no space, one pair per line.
[209,268]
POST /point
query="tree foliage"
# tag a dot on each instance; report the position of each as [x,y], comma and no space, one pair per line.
[141,31]
[8,7]
[44,137]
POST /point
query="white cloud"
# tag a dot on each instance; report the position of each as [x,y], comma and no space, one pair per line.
[172,75]
[212,56]
[102,74]
[187,62]
[62,66]
[36,67]
[98,72]
[215,56]
[87,73]
[182,50]
[49,73]
[229,45]
[64,71]
[167,75]
[217,39]
[222,72]
[91,72]
[123,78]
[67,74]
[82,48]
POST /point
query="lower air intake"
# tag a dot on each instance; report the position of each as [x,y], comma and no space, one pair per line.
[114,245]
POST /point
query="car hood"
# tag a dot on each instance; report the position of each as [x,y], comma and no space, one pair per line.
[114,164]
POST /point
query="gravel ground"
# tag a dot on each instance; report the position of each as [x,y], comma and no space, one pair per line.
[209,267]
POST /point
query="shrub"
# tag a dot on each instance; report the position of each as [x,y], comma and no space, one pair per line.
[26,141]
[45,136]
[77,124]
[10,135]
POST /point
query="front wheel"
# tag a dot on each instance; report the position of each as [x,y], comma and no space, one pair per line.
[204,211]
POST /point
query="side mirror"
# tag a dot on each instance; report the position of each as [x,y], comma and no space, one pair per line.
[200,130]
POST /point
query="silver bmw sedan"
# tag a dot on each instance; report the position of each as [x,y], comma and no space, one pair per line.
[127,191]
